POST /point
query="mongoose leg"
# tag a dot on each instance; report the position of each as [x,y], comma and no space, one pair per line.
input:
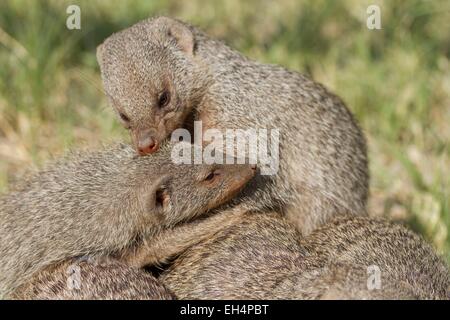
[172,242]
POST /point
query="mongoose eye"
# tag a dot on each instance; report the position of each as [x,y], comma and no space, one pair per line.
[212,175]
[164,99]
[124,117]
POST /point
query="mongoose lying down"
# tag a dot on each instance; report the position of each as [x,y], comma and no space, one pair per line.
[264,257]
[233,255]
[102,202]
[161,74]
[107,280]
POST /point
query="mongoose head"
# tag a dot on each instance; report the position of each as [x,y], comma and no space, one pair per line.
[184,191]
[151,78]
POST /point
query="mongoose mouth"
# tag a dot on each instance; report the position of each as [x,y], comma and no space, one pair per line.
[145,142]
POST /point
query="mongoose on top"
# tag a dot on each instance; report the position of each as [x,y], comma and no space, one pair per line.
[101,202]
[161,73]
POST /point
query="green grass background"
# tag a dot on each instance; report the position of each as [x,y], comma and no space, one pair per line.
[395,80]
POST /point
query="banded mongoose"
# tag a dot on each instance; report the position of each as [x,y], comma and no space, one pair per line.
[102,202]
[108,278]
[161,73]
[264,257]
[76,279]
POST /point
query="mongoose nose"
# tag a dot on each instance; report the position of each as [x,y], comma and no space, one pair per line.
[148,146]
[253,167]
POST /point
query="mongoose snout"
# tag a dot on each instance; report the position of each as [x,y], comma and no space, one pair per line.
[145,143]
[238,174]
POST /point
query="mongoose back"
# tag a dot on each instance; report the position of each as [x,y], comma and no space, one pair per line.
[264,257]
[161,73]
[101,202]
[92,280]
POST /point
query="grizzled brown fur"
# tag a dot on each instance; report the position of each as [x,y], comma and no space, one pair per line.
[102,202]
[264,257]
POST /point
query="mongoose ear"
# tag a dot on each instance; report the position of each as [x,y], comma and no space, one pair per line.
[162,197]
[181,33]
[161,193]
[99,54]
